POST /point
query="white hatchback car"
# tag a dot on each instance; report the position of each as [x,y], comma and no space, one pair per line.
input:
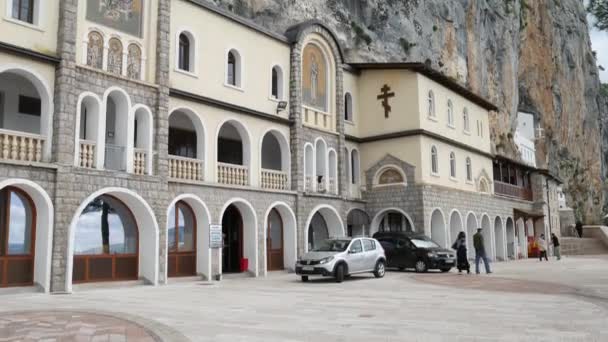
[342,257]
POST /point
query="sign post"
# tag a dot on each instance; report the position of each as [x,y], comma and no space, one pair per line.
[216,242]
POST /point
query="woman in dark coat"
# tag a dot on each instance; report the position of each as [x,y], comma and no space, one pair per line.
[460,245]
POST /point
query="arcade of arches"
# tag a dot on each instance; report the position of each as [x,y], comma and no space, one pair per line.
[181,240]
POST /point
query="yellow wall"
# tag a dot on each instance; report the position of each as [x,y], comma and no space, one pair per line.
[45,71]
[440,125]
[404,114]
[215,36]
[351,85]
[406,149]
[40,38]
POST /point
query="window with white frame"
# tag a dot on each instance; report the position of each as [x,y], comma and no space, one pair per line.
[348,107]
[465,120]
[276,87]
[233,69]
[469,170]
[450,113]
[431,104]
[452,165]
[24,10]
[185,52]
[434,162]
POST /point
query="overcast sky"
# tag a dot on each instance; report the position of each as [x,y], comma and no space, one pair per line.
[599,40]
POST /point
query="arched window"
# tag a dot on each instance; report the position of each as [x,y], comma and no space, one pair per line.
[183,62]
[390,176]
[452,165]
[348,107]
[465,120]
[354,164]
[134,62]
[115,56]
[95,50]
[276,91]
[233,69]
[431,104]
[434,164]
[315,78]
[483,186]
[450,113]
[469,170]
[181,240]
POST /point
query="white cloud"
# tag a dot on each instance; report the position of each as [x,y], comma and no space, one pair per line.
[599,42]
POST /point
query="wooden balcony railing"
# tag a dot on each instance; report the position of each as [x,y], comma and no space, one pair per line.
[514,191]
[21,146]
[139,161]
[274,180]
[232,174]
[87,154]
[185,168]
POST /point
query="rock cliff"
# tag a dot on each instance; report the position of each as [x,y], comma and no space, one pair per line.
[521,54]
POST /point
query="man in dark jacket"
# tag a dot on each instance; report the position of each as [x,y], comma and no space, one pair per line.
[579,229]
[556,250]
[480,252]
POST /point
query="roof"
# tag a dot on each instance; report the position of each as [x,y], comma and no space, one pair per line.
[434,75]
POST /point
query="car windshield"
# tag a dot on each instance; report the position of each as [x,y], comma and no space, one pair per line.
[424,243]
[332,246]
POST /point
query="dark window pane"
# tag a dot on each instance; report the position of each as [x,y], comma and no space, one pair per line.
[275,83]
[230,151]
[29,105]
[231,69]
[184,52]
[182,143]
[20,225]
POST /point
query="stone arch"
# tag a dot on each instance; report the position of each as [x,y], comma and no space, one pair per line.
[230,129]
[141,121]
[199,128]
[290,242]
[284,153]
[44,229]
[203,220]
[511,239]
[438,228]
[472,225]
[499,234]
[114,149]
[250,230]
[148,233]
[522,239]
[380,215]
[357,218]
[488,236]
[455,224]
[332,219]
[378,177]
[88,129]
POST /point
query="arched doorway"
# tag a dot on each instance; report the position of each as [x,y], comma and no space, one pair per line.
[471,230]
[357,223]
[274,241]
[106,243]
[510,233]
[323,222]
[186,145]
[438,231]
[455,225]
[317,231]
[17,238]
[181,241]
[232,230]
[118,105]
[487,236]
[499,239]
[391,220]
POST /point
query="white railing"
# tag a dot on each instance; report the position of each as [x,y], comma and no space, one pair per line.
[87,154]
[185,168]
[321,186]
[274,180]
[317,118]
[308,183]
[232,174]
[332,186]
[115,158]
[139,161]
[21,146]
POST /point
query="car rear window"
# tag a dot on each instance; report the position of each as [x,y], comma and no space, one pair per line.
[369,245]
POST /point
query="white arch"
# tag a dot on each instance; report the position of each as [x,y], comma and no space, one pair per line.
[44,229]
[94,126]
[203,220]
[510,238]
[244,134]
[192,53]
[456,225]
[329,60]
[146,224]
[332,168]
[145,135]
[335,225]
[290,240]
[320,164]
[250,231]
[201,133]
[309,166]
[239,71]
[472,225]
[376,179]
[488,235]
[437,227]
[285,149]
[355,165]
[380,215]
[499,239]
[46,101]
[122,123]
[522,243]
[280,83]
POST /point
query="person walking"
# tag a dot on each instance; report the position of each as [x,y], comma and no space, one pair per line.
[460,245]
[556,250]
[542,247]
[480,252]
[579,229]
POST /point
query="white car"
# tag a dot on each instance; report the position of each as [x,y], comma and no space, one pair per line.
[342,257]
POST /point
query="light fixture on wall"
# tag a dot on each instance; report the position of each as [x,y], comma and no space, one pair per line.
[281,106]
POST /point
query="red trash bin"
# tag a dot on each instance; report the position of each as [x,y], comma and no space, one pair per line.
[244,264]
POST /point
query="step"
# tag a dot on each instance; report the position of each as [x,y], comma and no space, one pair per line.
[584,246]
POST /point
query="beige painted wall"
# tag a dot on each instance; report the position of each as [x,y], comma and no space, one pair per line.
[213,118]
[406,149]
[45,71]
[214,37]
[41,37]
[404,114]
[439,124]
[147,42]
[351,85]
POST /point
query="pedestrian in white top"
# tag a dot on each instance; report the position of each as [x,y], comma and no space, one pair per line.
[542,248]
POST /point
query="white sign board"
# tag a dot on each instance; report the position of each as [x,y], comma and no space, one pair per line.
[215,236]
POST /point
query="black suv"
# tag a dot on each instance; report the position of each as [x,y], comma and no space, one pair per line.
[414,250]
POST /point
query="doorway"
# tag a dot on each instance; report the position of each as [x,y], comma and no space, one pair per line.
[232,231]
[274,241]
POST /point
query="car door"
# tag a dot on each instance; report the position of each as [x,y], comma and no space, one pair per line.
[356,257]
[390,250]
[406,255]
[370,252]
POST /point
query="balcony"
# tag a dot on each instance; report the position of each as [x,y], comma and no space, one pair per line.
[139,161]
[20,146]
[232,174]
[274,180]
[182,168]
[318,119]
[87,154]
[514,191]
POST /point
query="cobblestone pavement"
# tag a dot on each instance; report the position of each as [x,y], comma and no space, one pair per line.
[521,301]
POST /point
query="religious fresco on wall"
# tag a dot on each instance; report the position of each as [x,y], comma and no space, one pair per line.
[314,78]
[122,15]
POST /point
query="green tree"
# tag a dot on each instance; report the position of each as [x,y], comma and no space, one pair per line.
[599,9]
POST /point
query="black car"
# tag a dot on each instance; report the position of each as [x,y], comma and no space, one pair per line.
[414,250]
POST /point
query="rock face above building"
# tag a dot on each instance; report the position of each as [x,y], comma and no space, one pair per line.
[521,54]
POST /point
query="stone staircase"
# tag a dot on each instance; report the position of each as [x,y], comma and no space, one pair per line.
[584,246]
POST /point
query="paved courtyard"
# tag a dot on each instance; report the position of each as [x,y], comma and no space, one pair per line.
[522,301]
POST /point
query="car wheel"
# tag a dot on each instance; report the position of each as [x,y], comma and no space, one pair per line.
[340,273]
[401,269]
[380,269]
[445,270]
[304,278]
[421,266]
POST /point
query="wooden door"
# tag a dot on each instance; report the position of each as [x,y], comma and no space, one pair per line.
[274,241]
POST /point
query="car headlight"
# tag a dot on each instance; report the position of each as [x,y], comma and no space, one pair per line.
[326,260]
[432,254]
